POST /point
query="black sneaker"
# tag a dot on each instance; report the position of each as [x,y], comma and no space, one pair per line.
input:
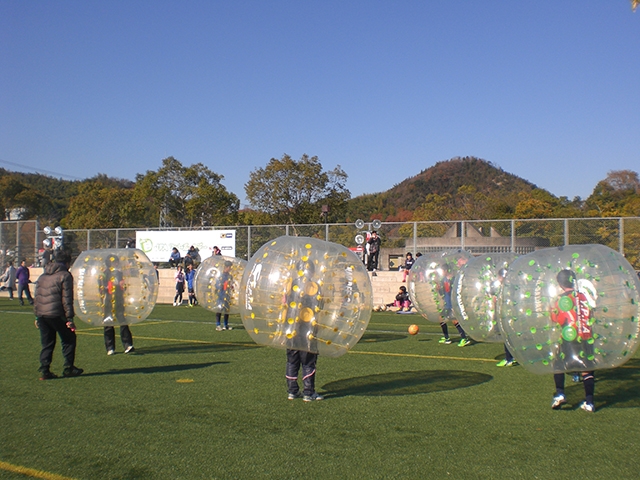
[48,375]
[72,372]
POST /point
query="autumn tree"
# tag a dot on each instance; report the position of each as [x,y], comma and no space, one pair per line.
[100,204]
[293,191]
[15,195]
[616,196]
[188,196]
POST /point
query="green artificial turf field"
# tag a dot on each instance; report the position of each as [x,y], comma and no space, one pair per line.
[197,403]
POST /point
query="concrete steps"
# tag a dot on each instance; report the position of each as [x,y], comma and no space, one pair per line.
[385,285]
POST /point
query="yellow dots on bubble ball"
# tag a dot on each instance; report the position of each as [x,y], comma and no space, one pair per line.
[318,283]
[114,286]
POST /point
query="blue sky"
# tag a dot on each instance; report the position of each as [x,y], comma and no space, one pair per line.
[547,90]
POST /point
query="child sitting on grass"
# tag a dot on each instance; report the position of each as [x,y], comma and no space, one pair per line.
[402,300]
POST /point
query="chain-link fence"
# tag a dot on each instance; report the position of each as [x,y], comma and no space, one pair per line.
[24,239]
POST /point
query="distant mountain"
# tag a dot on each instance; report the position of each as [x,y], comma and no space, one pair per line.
[446,177]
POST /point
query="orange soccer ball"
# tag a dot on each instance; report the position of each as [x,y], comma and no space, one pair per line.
[413,329]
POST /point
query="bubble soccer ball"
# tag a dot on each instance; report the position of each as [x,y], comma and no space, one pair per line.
[572,308]
[217,283]
[477,288]
[114,286]
[431,283]
[306,294]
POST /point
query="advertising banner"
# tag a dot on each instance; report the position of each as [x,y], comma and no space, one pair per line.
[157,245]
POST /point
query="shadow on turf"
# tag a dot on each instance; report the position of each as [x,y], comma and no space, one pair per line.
[380,337]
[162,369]
[193,348]
[617,387]
[405,383]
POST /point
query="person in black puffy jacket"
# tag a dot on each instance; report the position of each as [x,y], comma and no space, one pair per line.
[54,314]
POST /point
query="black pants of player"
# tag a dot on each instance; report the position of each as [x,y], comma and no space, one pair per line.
[219,317]
[27,292]
[110,337]
[372,264]
[49,327]
[588,380]
[296,359]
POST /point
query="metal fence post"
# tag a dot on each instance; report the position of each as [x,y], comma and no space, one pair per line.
[18,253]
[35,246]
[566,232]
[513,236]
[248,242]
[621,239]
[462,233]
[326,230]
[88,239]
[415,236]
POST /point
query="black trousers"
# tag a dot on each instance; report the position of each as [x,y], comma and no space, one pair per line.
[49,327]
[296,359]
[110,337]
[27,292]
[373,261]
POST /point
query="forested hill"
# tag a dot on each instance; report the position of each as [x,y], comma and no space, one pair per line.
[445,178]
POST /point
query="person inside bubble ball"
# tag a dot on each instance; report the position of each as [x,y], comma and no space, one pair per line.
[572,312]
[445,289]
[112,286]
[508,361]
[402,300]
[224,289]
[300,303]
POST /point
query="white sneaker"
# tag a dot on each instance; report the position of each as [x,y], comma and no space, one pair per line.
[129,349]
[219,328]
[228,328]
[175,304]
[558,401]
[111,352]
[312,398]
[588,407]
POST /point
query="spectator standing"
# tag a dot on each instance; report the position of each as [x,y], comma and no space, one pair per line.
[54,314]
[374,252]
[23,274]
[47,255]
[190,276]
[179,278]
[9,279]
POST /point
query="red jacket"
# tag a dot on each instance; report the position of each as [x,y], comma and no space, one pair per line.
[577,315]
